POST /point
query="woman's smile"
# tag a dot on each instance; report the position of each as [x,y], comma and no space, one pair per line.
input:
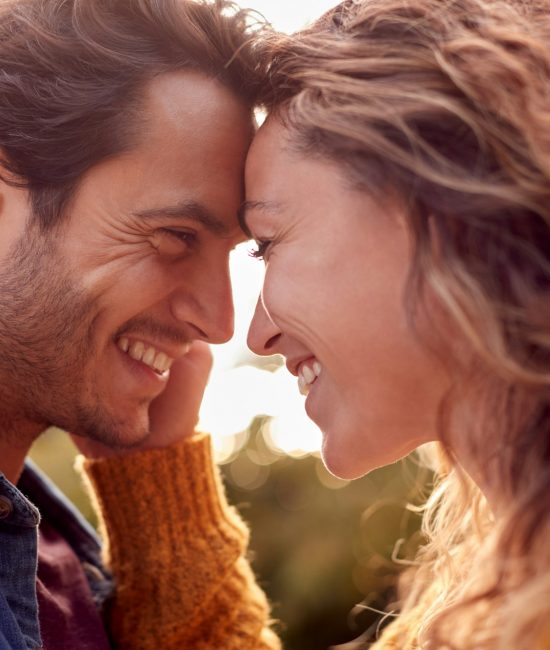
[308,373]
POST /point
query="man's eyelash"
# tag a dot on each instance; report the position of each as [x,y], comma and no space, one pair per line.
[259,253]
[181,235]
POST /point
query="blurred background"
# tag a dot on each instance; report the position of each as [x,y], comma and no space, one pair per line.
[326,551]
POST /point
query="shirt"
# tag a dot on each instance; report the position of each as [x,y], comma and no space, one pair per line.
[52,587]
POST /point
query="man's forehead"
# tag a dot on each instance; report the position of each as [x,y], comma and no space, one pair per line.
[192,100]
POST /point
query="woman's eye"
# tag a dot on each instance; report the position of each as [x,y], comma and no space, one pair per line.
[259,252]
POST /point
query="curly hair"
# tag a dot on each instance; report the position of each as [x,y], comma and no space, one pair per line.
[72,74]
[446,105]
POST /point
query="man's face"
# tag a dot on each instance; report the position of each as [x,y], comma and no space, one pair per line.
[92,314]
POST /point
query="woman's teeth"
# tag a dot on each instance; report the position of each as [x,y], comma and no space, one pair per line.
[157,361]
[307,375]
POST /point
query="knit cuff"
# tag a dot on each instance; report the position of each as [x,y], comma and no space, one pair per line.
[164,507]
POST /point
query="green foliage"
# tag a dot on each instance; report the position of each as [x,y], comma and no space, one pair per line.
[54,453]
[322,548]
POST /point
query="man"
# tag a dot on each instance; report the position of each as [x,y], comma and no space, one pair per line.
[123,131]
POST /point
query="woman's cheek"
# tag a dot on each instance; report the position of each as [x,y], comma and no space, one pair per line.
[270,296]
[282,291]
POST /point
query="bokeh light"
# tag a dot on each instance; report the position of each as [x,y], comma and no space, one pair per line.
[243,386]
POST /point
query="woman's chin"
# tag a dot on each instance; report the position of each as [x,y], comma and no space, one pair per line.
[346,466]
[351,461]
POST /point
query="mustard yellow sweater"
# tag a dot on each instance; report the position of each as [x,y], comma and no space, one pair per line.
[177,551]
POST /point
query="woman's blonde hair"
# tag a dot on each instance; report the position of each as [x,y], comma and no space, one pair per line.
[446,104]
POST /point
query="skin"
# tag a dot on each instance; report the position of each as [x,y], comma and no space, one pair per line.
[336,269]
[143,254]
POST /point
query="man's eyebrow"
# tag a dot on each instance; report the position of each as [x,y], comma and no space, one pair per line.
[190,210]
[247,206]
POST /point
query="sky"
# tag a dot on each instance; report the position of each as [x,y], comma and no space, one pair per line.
[238,391]
[289,16]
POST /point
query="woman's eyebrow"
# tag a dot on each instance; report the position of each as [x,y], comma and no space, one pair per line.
[248,206]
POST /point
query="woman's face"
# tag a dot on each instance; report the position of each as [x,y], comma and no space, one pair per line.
[332,304]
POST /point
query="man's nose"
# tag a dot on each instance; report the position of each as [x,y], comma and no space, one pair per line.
[263,334]
[206,305]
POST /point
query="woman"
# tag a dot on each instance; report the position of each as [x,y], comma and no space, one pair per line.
[399,193]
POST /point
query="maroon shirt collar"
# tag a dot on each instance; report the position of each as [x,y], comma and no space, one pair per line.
[69,619]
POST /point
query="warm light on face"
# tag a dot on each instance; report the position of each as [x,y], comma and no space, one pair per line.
[238,391]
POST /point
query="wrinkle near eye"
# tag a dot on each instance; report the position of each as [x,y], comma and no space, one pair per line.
[155,241]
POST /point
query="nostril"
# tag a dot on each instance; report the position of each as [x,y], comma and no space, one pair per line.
[272,341]
[200,334]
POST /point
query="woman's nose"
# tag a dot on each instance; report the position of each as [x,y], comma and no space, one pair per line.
[263,334]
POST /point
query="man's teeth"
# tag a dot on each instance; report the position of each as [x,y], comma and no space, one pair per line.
[147,354]
[307,376]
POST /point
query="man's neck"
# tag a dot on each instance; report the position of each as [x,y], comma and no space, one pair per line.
[15,443]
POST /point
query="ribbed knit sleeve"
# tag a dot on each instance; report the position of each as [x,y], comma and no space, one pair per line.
[176,549]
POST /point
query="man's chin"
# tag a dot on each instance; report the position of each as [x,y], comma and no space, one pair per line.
[115,432]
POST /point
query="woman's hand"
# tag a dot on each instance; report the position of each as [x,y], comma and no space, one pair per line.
[174,414]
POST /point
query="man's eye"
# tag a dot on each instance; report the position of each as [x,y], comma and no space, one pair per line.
[172,242]
[259,252]
[183,236]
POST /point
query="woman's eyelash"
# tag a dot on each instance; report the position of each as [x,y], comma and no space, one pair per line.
[259,253]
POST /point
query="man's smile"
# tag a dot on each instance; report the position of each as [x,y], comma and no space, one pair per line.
[149,355]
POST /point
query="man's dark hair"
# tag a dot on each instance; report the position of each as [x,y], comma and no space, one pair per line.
[72,74]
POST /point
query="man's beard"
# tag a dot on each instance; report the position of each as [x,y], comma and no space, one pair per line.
[47,347]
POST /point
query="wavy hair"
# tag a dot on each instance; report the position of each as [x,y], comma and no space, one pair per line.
[72,74]
[446,105]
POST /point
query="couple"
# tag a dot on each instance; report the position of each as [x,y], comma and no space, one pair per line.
[399,196]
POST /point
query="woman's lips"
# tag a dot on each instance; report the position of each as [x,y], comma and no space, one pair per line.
[308,372]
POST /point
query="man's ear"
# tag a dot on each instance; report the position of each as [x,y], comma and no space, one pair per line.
[14,197]
[7,175]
